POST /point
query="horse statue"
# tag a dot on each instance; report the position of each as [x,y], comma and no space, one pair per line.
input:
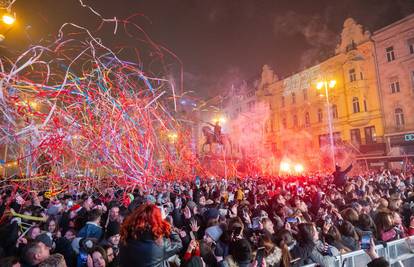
[212,138]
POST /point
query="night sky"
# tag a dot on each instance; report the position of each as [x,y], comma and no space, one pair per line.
[220,42]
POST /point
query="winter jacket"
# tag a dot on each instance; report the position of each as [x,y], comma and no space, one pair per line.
[312,254]
[146,252]
[340,176]
[91,230]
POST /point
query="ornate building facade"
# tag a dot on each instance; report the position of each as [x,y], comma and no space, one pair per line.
[394,47]
[299,122]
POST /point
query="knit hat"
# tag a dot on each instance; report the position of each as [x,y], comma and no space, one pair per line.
[75,208]
[191,204]
[54,210]
[151,198]
[212,213]
[112,229]
[214,232]
[46,239]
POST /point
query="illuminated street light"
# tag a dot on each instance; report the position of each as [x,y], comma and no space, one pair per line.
[8,19]
[328,84]
[220,119]
[172,137]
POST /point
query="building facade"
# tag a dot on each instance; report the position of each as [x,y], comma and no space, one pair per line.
[394,49]
[299,125]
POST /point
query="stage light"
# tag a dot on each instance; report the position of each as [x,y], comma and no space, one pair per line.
[284,167]
[332,83]
[8,19]
[299,168]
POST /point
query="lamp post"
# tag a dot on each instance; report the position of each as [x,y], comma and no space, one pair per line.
[329,84]
[8,20]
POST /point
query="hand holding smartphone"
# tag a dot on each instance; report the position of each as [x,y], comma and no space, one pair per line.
[366,240]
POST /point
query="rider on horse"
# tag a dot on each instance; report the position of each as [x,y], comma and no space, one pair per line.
[217,131]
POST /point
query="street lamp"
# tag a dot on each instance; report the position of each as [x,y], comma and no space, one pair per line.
[172,137]
[8,19]
[220,119]
[328,84]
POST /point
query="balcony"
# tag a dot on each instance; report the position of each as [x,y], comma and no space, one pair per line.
[378,147]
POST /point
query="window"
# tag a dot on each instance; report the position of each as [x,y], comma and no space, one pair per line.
[356,136]
[390,53]
[365,105]
[283,101]
[370,135]
[355,104]
[284,122]
[361,75]
[352,75]
[305,94]
[293,98]
[320,115]
[395,86]
[411,45]
[399,117]
[334,111]
[295,120]
[307,120]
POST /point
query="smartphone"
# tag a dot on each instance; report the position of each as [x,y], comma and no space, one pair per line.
[299,190]
[366,240]
[256,223]
[260,256]
[291,220]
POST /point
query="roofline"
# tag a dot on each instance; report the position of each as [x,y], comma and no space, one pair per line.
[411,16]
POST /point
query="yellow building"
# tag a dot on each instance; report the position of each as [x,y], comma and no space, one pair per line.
[299,127]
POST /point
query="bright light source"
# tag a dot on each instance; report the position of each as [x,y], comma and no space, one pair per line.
[33,104]
[221,119]
[332,84]
[299,168]
[8,19]
[172,137]
[284,167]
[319,85]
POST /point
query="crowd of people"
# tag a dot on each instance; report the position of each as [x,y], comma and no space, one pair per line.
[256,221]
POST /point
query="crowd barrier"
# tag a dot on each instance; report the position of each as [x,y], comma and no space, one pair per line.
[399,253]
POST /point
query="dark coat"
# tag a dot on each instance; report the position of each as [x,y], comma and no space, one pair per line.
[148,253]
[340,176]
[379,262]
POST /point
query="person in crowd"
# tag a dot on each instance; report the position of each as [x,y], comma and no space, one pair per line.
[113,259]
[34,253]
[97,257]
[54,260]
[10,262]
[350,237]
[92,228]
[147,239]
[310,249]
[340,178]
[52,227]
